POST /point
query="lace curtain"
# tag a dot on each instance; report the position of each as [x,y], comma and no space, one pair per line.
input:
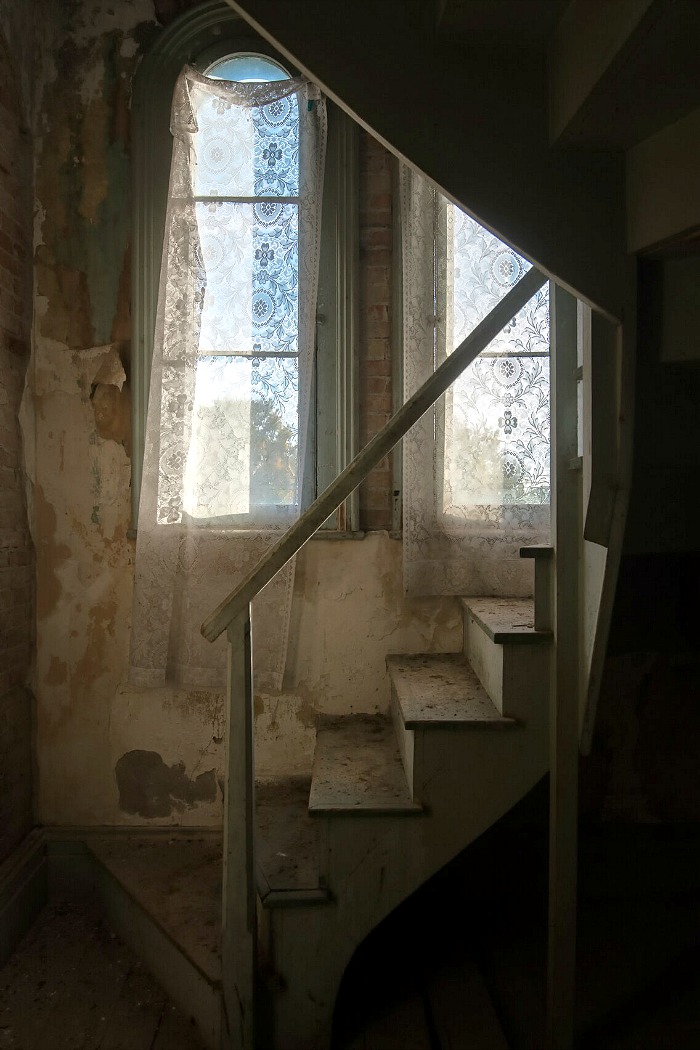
[231,373]
[476,468]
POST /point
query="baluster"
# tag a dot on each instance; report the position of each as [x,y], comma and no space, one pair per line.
[239,934]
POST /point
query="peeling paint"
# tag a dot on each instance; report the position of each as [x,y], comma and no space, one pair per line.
[151,789]
[349,607]
[51,555]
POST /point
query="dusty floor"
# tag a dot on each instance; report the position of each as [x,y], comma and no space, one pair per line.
[468,947]
[73,985]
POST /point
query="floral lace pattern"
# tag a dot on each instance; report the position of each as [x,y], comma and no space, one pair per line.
[476,484]
[231,370]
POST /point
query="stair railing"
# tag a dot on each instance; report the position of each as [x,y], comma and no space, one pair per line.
[239,933]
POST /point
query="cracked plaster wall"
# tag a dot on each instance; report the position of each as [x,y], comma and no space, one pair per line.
[349,610]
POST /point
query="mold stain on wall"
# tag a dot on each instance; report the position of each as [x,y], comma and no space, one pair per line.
[150,788]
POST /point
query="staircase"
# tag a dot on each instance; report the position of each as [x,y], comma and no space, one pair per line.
[391,799]
[395,798]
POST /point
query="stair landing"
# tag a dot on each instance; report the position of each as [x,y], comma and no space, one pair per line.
[177,882]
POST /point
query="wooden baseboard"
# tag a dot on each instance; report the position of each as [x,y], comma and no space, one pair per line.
[23,891]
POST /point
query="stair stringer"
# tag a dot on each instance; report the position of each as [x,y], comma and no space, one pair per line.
[469,778]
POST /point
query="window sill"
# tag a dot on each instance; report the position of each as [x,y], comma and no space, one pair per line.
[322,534]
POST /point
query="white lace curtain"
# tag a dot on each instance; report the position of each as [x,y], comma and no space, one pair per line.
[232,364]
[476,468]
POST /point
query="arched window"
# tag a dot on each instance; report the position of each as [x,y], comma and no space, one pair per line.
[244,450]
[246,374]
[218,44]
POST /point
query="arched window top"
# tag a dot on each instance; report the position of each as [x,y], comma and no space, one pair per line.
[247,68]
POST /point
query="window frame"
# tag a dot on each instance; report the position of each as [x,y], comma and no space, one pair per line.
[446,522]
[198,38]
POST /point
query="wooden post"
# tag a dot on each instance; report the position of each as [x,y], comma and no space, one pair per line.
[239,934]
[564,744]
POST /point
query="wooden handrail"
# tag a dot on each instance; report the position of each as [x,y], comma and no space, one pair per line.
[373,452]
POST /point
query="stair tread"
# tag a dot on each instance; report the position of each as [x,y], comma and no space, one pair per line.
[441,689]
[357,769]
[507,619]
[287,844]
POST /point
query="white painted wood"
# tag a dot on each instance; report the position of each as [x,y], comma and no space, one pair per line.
[509,620]
[409,744]
[543,557]
[197,995]
[484,656]
[507,653]
[601,567]
[601,398]
[440,691]
[563,818]
[469,779]
[375,450]
[358,770]
[239,933]
[594,565]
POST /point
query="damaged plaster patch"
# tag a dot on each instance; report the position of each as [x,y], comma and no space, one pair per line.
[151,789]
[51,555]
[110,399]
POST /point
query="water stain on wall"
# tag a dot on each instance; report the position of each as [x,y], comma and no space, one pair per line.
[150,788]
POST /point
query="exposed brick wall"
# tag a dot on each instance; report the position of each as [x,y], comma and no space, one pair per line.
[375,399]
[16,555]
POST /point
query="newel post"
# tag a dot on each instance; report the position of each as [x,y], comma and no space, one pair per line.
[239,935]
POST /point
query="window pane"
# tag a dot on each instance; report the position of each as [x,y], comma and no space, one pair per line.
[251,259]
[243,451]
[497,414]
[247,152]
[247,69]
[498,434]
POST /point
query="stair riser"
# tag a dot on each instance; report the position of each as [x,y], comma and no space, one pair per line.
[410,747]
[515,675]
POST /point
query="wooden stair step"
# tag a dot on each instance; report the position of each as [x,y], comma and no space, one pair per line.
[441,690]
[357,769]
[287,845]
[175,879]
[506,620]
